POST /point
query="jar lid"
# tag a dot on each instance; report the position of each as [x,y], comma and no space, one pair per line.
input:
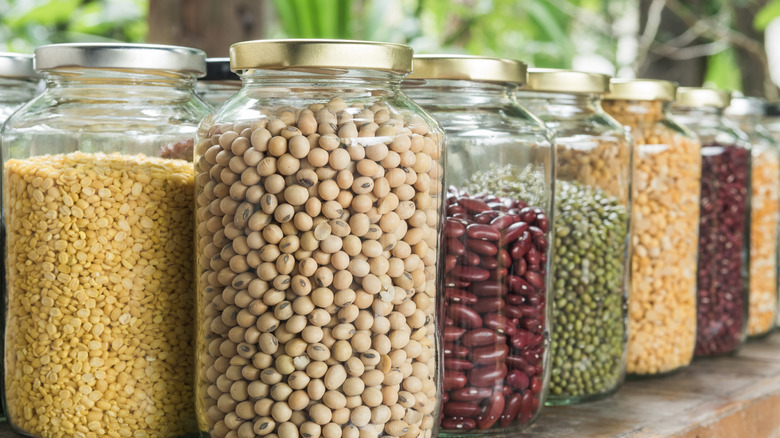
[218,69]
[120,56]
[550,80]
[319,53]
[641,89]
[16,65]
[468,68]
[745,106]
[701,97]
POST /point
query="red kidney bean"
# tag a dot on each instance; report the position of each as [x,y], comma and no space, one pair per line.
[445,397]
[454,380]
[536,385]
[458,364]
[464,316]
[482,232]
[517,379]
[483,247]
[462,409]
[488,375]
[513,233]
[471,394]
[527,410]
[454,228]
[459,423]
[722,295]
[490,354]
[494,409]
[495,294]
[473,205]
[511,409]
[486,305]
[471,273]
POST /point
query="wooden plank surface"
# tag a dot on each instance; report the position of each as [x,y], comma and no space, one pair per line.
[727,397]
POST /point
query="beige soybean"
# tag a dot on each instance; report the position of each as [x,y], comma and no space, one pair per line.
[98,281]
[296,281]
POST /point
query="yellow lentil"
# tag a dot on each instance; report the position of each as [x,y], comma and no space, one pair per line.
[99,334]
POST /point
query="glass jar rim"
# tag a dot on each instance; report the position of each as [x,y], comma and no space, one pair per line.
[469,68]
[320,54]
[17,66]
[745,106]
[702,97]
[120,56]
[641,89]
[550,80]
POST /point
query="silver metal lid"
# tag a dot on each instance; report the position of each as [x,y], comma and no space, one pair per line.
[745,106]
[121,56]
[16,65]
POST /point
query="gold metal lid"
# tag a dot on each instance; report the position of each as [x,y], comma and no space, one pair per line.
[468,68]
[699,97]
[550,80]
[641,89]
[319,54]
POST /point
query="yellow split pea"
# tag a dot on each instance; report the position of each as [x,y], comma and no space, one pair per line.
[665,223]
[99,278]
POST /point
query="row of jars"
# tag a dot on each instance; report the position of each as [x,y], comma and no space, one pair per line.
[343,285]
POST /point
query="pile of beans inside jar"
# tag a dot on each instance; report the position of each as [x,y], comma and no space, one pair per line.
[589,336]
[317,241]
[665,226]
[495,304]
[99,283]
[721,298]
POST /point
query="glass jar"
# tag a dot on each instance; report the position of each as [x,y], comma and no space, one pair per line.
[219,84]
[664,226]
[497,243]
[98,228]
[747,112]
[318,216]
[724,245]
[592,200]
[18,82]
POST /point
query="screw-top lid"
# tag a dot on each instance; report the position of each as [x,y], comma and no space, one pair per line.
[641,89]
[116,56]
[318,54]
[702,97]
[218,69]
[16,65]
[566,81]
[469,68]
[745,106]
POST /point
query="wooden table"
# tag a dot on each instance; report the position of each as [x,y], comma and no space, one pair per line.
[727,397]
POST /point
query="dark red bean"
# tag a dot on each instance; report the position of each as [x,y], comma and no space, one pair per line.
[542,222]
[458,423]
[489,305]
[532,256]
[499,274]
[482,232]
[458,364]
[486,216]
[445,397]
[480,337]
[459,296]
[473,205]
[462,409]
[520,267]
[455,350]
[512,233]
[504,221]
[471,394]
[519,286]
[487,376]
[471,273]
[536,385]
[516,362]
[453,333]
[521,246]
[511,409]
[481,247]
[499,323]
[455,247]
[532,325]
[469,258]
[504,259]
[449,262]
[489,289]
[513,311]
[527,214]
[489,263]
[515,300]
[454,380]
[494,409]
[490,354]
[517,380]
[454,228]
[464,316]
[521,339]
[527,410]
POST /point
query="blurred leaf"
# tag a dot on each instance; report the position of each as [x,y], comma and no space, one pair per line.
[723,71]
[766,14]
